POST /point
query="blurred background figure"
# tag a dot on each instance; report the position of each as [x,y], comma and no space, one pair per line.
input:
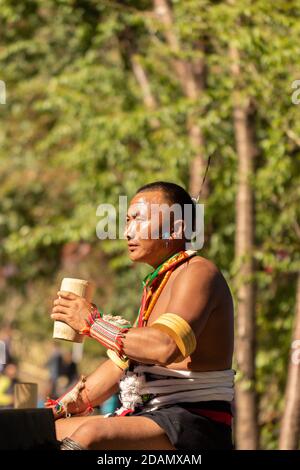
[62,370]
[110,405]
[54,364]
[8,378]
[44,392]
[69,369]
[6,339]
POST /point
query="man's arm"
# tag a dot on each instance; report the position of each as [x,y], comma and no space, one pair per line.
[193,297]
[100,385]
[194,294]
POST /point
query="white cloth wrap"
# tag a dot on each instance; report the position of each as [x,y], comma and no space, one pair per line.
[171,386]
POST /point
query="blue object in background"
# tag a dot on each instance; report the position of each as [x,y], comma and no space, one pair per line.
[110,405]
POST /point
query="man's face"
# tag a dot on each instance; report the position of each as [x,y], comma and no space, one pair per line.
[144,227]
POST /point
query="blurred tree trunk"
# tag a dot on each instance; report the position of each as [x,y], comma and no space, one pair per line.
[143,81]
[131,57]
[290,426]
[246,421]
[191,78]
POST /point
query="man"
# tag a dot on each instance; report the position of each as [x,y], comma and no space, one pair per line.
[173,368]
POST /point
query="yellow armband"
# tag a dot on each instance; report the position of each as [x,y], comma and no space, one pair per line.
[179,330]
[117,360]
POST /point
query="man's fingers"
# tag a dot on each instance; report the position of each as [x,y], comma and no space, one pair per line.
[67,295]
[58,316]
[60,309]
[62,302]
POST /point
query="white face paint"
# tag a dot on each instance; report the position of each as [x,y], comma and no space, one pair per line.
[151,221]
[148,233]
[138,221]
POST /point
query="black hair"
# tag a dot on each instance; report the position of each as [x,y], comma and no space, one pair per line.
[175,194]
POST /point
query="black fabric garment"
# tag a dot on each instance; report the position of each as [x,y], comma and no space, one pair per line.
[30,429]
[189,431]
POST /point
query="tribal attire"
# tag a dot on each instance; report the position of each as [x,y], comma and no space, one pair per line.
[193,408]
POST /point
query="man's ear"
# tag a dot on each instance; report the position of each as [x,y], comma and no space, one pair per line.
[178,230]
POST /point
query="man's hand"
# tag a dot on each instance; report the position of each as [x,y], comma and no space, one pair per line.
[55,414]
[71,309]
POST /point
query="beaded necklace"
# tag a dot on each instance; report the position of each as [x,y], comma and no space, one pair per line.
[154,283]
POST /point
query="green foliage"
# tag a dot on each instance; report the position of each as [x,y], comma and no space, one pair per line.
[75,133]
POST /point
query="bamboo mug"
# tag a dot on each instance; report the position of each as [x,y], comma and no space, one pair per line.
[84,289]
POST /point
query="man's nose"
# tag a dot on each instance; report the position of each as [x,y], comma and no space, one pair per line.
[129,231]
[128,235]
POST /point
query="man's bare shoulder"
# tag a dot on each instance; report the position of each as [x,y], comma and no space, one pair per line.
[196,292]
[200,263]
[198,271]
